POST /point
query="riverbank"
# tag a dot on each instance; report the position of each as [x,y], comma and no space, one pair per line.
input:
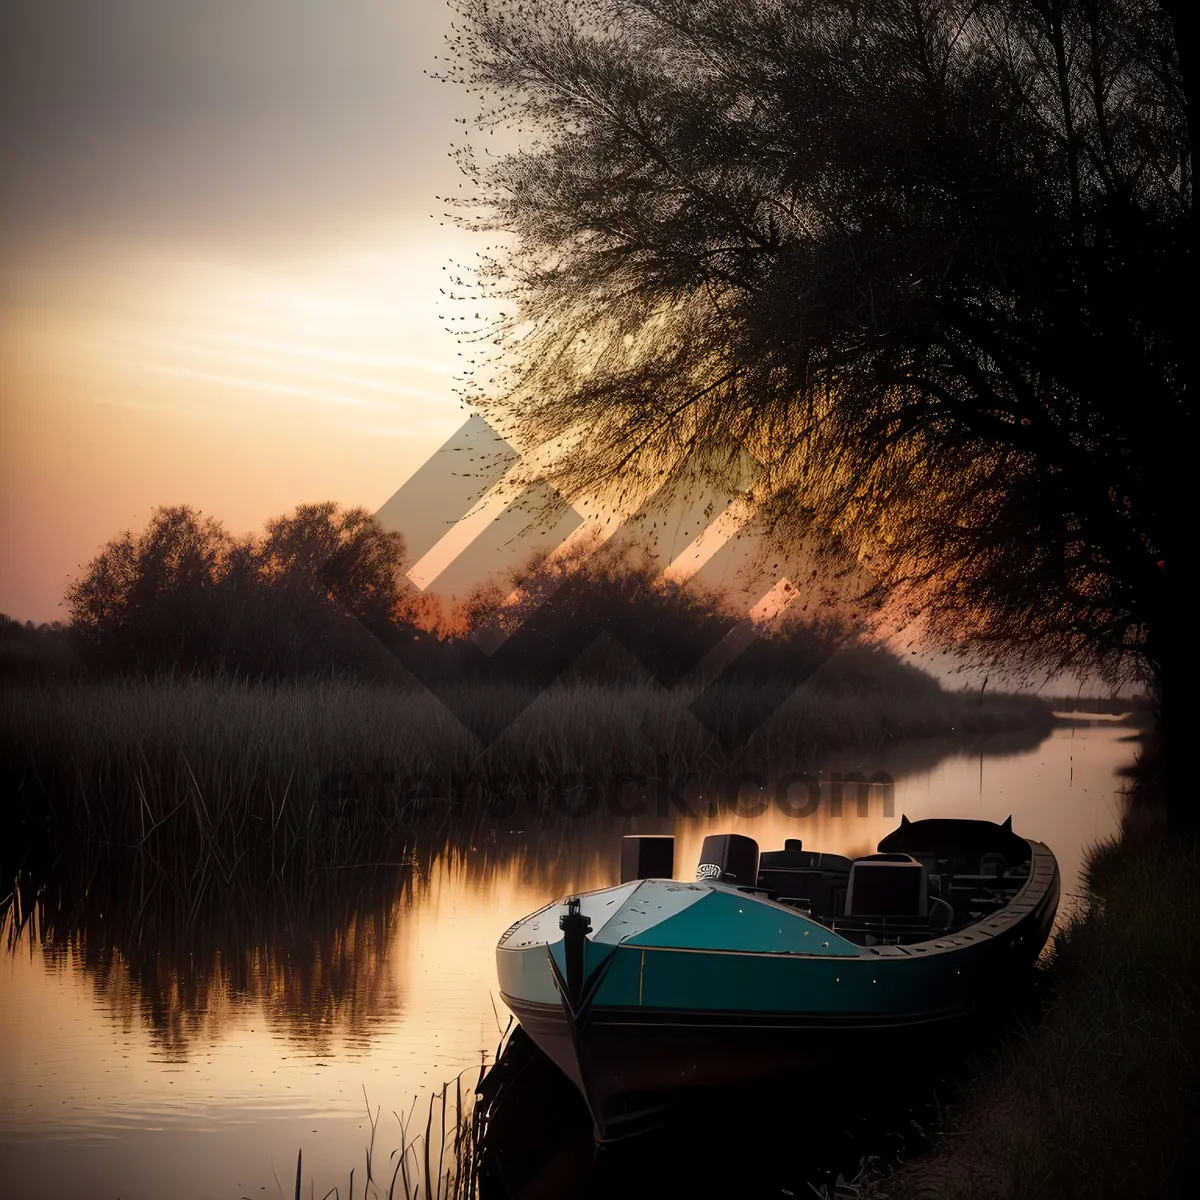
[1098,1098]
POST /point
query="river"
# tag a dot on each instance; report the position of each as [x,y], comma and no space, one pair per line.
[190,1070]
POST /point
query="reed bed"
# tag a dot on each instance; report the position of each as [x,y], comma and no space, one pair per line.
[438,1162]
[212,777]
[239,737]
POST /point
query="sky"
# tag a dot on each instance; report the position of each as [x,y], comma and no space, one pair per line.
[220,262]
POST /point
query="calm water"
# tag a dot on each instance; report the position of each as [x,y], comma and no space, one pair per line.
[142,1071]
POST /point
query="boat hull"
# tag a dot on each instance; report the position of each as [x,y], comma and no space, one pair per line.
[634,1072]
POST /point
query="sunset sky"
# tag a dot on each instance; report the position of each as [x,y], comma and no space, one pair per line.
[220,255]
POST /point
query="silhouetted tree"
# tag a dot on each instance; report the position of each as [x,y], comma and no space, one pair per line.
[1185,25]
[150,601]
[560,605]
[557,607]
[346,556]
[925,259]
[323,577]
[183,594]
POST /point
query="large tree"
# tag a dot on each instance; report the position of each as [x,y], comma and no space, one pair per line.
[926,259]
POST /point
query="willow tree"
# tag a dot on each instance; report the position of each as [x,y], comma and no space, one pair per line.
[923,258]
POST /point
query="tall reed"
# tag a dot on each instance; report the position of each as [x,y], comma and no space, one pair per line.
[221,782]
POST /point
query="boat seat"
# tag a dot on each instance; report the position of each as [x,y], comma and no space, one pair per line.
[993,864]
[795,859]
[888,885]
[824,890]
[941,914]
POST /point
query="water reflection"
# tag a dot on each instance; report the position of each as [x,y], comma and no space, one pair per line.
[313,968]
[132,1019]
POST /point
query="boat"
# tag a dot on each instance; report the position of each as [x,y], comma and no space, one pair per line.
[657,992]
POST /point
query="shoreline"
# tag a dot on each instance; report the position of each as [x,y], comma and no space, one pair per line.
[1096,1097]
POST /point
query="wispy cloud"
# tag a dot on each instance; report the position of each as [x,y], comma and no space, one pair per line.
[260,385]
[354,381]
[345,358]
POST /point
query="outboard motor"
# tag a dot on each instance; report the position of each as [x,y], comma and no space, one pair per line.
[887,885]
[647,856]
[729,858]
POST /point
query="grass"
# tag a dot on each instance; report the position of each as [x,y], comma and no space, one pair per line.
[439,1164]
[1099,1098]
[229,787]
[124,760]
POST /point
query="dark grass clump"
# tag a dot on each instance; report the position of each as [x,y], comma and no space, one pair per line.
[437,1162]
[1100,1098]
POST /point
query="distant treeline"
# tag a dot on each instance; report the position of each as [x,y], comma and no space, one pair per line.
[184,596]
[322,591]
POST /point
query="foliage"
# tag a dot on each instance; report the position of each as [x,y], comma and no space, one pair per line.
[922,260]
[558,606]
[185,595]
[322,590]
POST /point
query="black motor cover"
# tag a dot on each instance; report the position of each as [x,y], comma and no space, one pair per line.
[647,856]
[729,858]
[887,885]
